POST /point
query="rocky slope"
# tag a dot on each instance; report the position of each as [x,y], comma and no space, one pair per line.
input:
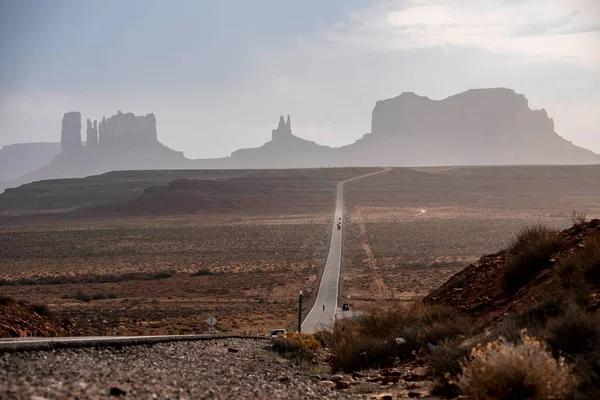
[478,289]
[20,320]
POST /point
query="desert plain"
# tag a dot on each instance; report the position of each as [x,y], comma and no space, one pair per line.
[158,252]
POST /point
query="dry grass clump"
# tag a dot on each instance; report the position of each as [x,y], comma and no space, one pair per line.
[580,272]
[372,340]
[578,217]
[503,370]
[530,253]
[295,345]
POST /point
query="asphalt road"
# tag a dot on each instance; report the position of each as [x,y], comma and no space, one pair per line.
[325,308]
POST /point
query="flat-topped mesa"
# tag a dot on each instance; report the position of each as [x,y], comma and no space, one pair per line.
[479,112]
[284,129]
[70,137]
[91,134]
[127,128]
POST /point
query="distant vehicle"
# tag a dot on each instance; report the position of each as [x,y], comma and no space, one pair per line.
[278,332]
[339,226]
[346,307]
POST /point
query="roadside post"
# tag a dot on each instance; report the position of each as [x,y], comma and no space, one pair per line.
[300,312]
[211,321]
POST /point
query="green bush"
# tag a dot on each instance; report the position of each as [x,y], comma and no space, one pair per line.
[574,333]
[529,254]
[579,272]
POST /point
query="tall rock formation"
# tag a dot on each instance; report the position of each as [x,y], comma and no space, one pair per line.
[102,138]
[96,131]
[284,129]
[70,138]
[129,128]
[91,135]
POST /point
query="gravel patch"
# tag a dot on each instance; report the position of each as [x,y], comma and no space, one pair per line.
[215,369]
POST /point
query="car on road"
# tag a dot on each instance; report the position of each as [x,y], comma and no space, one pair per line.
[278,332]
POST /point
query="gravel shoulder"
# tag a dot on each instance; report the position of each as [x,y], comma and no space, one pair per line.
[216,369]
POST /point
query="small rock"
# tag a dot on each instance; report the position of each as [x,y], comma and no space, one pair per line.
[115,391]
[284,379]
[391,372]
[336,378]
[315,377]
[326,383]
[418,374]
[400,341]
[340,385]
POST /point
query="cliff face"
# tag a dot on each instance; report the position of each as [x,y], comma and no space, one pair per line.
[481,126]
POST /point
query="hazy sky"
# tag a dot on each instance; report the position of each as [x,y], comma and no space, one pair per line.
[218,73]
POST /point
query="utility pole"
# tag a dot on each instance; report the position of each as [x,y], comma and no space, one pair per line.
[300,312]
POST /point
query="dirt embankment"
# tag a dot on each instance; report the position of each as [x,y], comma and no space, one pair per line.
[22,320]
[478,289]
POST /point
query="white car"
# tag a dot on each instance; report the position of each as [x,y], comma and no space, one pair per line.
[278,332]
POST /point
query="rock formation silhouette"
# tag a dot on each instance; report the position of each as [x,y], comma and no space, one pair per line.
[20,159]
[70,137]
[122,141]
[284,129]
[477,127]
[92,134]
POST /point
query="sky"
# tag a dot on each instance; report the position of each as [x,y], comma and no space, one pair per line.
[218,73]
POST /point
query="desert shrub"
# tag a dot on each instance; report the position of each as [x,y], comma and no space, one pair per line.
[295,345]
[503,370]
[69,279]
[530,252]
[371,341]
[580,271]
[323,337]
[574,333]
[578,217]
[86,298]
[42,310]
[445,366]
[202,272]
[537,316]
[5,301]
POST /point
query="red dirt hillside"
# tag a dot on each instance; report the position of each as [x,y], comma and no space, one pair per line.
[22,320]
[478,289]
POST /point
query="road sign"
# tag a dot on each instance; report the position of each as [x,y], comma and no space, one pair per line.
[211,321]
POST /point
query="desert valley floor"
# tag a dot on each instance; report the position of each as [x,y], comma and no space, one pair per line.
[159,251]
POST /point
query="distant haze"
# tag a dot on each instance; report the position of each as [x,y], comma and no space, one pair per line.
[217,74]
